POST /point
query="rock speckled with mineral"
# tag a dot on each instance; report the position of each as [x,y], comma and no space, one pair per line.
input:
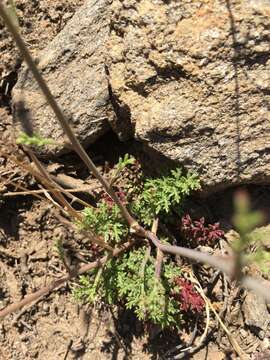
[74,66]
[195,78]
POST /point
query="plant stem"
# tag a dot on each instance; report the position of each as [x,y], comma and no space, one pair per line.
[218,262]
[52,185]
[159,256]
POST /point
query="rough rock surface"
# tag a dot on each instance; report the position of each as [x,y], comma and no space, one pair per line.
[39,22]
[193,79]
[73,65]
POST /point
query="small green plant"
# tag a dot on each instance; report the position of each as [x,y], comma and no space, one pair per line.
[130,279]
[259,241]
[148,297]
[121,165]
[105,220]
[262,258]
[160,196]
[35,140]
[124,281]
[124,162]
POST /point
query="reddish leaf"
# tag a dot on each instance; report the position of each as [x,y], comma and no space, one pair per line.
[187,296]
[198,233]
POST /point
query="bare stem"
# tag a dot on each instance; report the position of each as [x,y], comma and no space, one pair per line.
[158,264]
[45,179]
[159,256]
[51,185]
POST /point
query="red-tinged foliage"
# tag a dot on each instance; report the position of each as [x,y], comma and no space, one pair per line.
[198,233]
[187,296]
[109,201]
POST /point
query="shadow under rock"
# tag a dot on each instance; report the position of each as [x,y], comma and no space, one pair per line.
[11,216]
[221,204]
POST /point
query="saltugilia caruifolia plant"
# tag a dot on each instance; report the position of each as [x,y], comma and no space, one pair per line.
[125,281]
[130,279]
[159,197]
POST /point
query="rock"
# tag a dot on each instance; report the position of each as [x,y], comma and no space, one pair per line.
[211,352]
[191,80]
[256,314]
[73,65]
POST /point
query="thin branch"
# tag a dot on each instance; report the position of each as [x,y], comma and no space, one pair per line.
[148,251]
[18,186]
[67,192]
[232,340]
[45,180]
[51,181]
[17,317]
[159,256]
[41,191]
[52,185]
[222,263]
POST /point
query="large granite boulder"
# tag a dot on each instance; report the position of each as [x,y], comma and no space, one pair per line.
[193,81]
[74,66]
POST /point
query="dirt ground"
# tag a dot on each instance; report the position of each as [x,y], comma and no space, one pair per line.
[56,327]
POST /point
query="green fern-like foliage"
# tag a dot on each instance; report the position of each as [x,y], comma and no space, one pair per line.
[130,279]
[105,221]
[123,280]
[146,295]
[160,196]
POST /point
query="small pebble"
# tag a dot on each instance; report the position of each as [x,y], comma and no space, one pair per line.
[243,333]
[78,345]
[265,344]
